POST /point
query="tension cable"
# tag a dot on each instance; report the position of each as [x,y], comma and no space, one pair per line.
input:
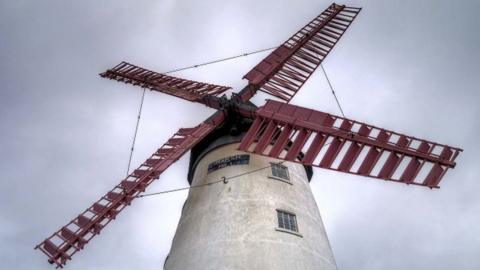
[222,180]
[333,91]
[218,60]
[136,131]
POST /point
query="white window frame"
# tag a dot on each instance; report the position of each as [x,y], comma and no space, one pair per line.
[277,177]
[281,214]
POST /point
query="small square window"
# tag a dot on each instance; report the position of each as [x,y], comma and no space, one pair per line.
[287,221]
[280,171]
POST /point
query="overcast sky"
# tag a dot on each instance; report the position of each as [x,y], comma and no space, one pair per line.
[410,66]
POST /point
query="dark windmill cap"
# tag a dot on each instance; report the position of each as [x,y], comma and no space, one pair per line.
[232,131]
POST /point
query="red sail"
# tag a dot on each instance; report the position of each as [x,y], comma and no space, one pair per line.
[186,89]
[283,72]
[71,238]
[320,139]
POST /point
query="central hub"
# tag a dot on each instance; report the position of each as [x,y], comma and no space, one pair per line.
[235,106]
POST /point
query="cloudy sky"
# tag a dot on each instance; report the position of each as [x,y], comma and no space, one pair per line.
[409,66]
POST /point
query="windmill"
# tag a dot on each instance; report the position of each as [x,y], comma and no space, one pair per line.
[277,131]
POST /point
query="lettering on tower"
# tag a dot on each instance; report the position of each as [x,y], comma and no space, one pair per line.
[228,161]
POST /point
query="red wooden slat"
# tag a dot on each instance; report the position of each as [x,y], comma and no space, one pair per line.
[446,153]
[331,154]
[293,73]
[314,149]
[402,141]
[251,134]
[327,44]
[328,35]
[340,29]
[369,161]
[50,248]
[319,50]
[185,131]
[67,233]
[297,145]
[175,141]
[434,176]
[347,162]
[333,32]
[299,65]
[390,165]
[340,18]
[151,161]
[346,125]
[83,221]
[112,196]
[98,208]
[424,147]
[364,130]
[339,23]
[410,171]
[140,173]
[265,138]
[275,91]
[128,185]
[164,151]
[282,140]
[382,136]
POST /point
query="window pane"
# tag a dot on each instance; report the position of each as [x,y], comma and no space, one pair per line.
[280,220]
[287,221]
[292,223]
[280,171]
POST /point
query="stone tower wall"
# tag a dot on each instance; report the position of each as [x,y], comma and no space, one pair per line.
[235,225]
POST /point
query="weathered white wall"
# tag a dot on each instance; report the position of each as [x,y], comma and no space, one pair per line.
[232,226]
